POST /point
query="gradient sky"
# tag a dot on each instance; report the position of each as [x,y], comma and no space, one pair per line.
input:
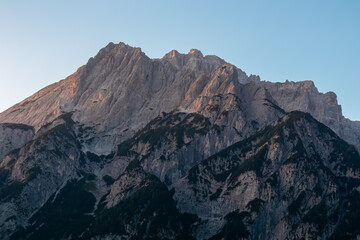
[42,42]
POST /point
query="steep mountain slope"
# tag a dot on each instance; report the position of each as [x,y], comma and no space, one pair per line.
[32,173]
[14,136]
[304,96]
[182,147]
[293,180]
[120,90]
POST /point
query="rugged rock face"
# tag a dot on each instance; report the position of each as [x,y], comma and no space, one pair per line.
[291,180]
[14,136]
[304,96]
[120,90]
[182,147]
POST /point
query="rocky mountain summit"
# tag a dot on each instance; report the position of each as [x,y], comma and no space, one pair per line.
[183,147]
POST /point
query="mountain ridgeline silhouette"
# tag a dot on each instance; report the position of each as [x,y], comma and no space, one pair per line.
[182,147]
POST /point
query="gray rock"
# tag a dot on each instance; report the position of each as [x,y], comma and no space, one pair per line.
[178,147]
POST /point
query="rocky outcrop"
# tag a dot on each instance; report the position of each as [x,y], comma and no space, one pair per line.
[13,136]
[304,96]
[288,181]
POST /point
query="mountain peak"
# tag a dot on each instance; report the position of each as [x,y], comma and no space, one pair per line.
[113,50]
[122,84]
[125,129]
[120,47]
[173,54]
[195,53]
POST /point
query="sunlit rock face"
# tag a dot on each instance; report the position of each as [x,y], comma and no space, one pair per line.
[120,90]
[183,147]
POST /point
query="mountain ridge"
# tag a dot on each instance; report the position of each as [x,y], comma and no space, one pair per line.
[183,147]
[92,91]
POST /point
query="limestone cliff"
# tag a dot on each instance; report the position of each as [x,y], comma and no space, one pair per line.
[183,147]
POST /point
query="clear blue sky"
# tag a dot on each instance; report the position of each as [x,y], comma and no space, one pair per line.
[42,42]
